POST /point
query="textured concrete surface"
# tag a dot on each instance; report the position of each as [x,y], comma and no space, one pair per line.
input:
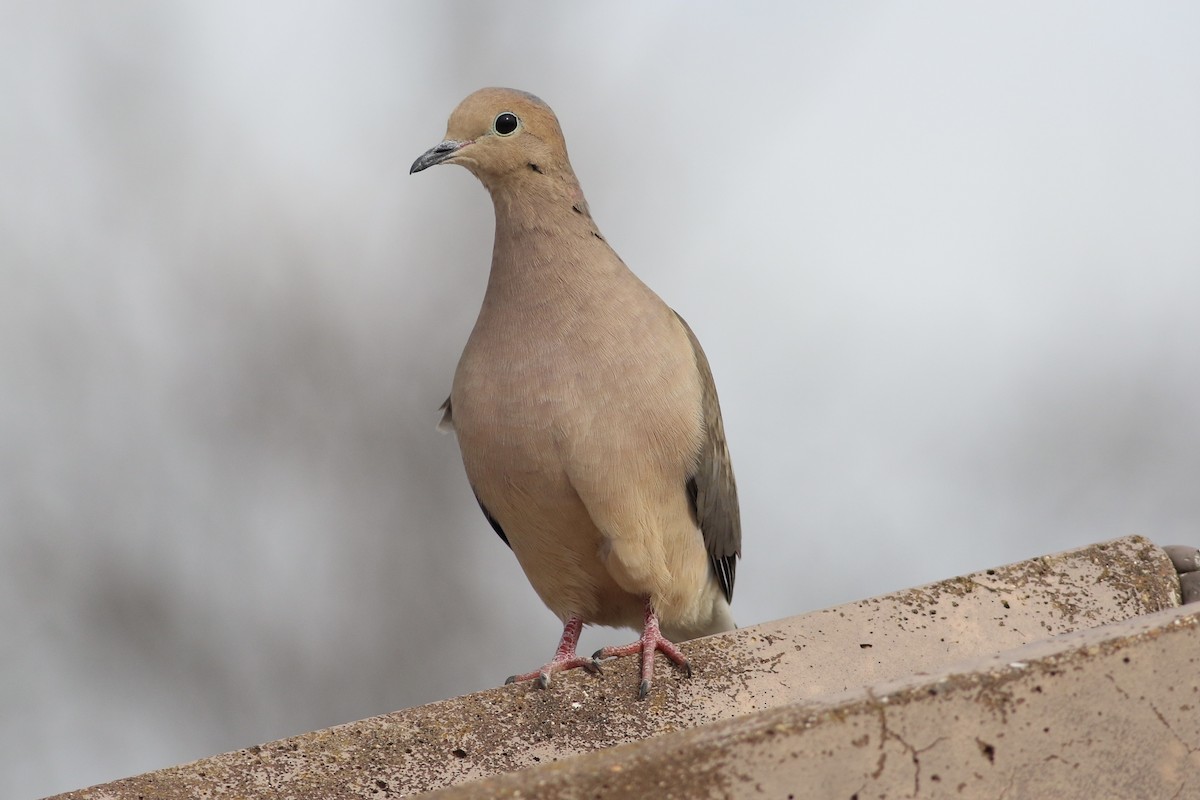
[1111,712]
[820,654]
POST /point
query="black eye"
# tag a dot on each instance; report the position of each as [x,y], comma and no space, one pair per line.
[505,124]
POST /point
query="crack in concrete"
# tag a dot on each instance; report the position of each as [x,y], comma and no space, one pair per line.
[1188,748]
[887,733]
[1012,777]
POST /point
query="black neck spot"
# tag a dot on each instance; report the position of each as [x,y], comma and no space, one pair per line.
[536,168]
[577,209]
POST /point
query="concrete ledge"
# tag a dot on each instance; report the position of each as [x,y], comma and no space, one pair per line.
[815,655]
[1107,712]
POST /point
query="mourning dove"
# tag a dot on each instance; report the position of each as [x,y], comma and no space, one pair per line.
[585,409]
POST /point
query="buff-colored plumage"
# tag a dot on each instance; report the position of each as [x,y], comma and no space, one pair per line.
[583,405]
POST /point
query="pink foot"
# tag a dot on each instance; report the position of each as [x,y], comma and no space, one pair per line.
[564,658]
[651,640]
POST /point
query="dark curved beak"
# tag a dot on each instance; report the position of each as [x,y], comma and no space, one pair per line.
[437,154]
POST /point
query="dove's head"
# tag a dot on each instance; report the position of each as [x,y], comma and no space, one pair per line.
[500,134]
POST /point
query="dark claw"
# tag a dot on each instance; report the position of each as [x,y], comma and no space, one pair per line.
[643,690]
[596,655]
[594,667]
[510,679]
[543,680]
[687,668]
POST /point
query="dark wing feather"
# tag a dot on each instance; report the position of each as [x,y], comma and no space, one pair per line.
[447,425]
[492,521]
[712,489]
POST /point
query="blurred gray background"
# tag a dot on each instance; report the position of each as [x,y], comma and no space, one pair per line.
[944,258]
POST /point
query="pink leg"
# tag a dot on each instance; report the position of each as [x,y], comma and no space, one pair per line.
[564,657]
[651,640]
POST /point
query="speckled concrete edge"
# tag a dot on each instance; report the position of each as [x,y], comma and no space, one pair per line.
[812,655]
[1106,712]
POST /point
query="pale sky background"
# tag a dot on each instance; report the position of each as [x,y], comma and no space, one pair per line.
[944,258]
